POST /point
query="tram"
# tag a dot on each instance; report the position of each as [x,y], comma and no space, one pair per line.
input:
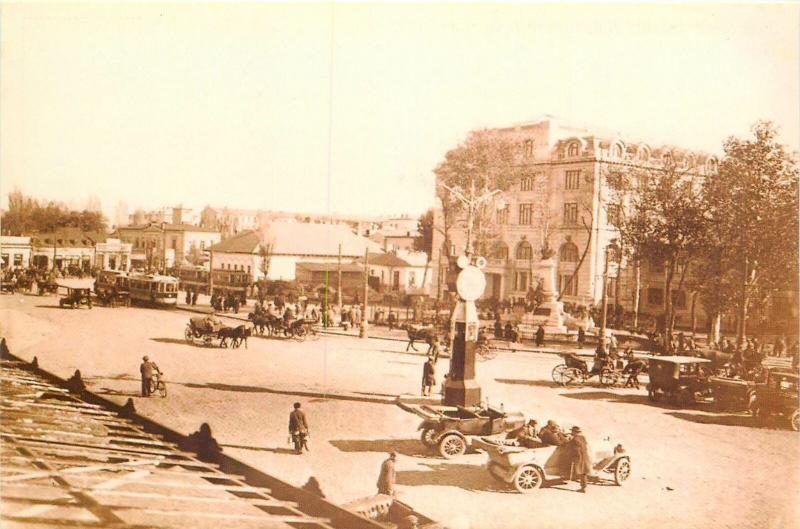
[154,289]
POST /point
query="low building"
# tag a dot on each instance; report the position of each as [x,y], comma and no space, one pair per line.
[15,252]
[316,275]
[161,245]
[273,253]
[65,248]
[113,254]
[403,271]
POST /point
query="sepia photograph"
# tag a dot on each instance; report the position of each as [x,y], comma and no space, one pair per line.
[423,265]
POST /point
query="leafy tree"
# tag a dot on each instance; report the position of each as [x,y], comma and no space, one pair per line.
[752,205]
[424,242]
[26,215]
[661,218]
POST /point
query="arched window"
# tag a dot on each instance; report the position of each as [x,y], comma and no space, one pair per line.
[616,151]
[573,149]
[524,251]
[568,253]
[644,154]
[711,165]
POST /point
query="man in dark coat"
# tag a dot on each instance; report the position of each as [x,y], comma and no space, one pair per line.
[540,336]
[428,376]
[148,369]
[552,435]
[298,428]
[388,476]
[580,459]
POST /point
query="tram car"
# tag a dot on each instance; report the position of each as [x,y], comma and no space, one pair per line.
[112,287]
[153,289]
[192,278]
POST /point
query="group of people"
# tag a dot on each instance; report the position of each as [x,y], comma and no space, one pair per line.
[551,434]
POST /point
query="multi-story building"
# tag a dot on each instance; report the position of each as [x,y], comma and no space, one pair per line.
[562,197]
[168,215]
[162,245]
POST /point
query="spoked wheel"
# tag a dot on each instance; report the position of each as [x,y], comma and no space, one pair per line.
[162,388]
[451,446]
[313,335]
[189,334]
[622,470]
[558,373]
[608,377]
[428,437]
[794,420]
[573,377]
[299,334]
[528,478]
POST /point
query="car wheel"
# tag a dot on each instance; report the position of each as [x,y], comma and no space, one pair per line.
[622,470]
[794,420]
[527,479]
[452,445]
[428,437]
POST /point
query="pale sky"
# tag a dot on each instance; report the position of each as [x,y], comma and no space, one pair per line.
[348,108]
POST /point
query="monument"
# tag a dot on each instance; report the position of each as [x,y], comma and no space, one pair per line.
[550,306]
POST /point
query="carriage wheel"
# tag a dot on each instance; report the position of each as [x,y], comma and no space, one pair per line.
[573,377]
[622,470]
[313,334]
[189,334]
[558,373]
[608,377]
[207,339]
[428,437]
[452,445]
[527,479]
[794,420]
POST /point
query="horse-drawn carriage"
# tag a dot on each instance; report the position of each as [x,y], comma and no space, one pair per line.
[206,329]
[575,371]
[527,469]
[273,326]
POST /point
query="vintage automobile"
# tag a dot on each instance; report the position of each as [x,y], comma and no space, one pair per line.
[75,297]
[778,396]
[731,394]
[680,379]
[527,469]
[449,428]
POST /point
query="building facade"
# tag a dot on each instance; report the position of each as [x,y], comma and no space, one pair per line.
[161,245]
[113,254]
[562,201]
[15,252]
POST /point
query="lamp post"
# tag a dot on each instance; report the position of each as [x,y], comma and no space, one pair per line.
[461,388]
[604,320]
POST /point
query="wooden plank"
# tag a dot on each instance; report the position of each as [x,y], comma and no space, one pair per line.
[268,502]
[75,433]
[115,448]
[77,409]
[39,474]
[266,518]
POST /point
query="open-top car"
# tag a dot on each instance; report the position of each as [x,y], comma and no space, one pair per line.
[680,379]
[528,468]
[75,297]
[449,428]
[778,396]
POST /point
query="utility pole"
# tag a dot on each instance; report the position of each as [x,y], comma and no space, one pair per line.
[210,271]
[603,322]
[362,332]
[339,284]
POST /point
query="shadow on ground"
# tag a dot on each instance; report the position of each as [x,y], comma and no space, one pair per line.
[722,419]
[287,451]
[611,397]
[467,477]
[117,393]
[535,383]
[177,341]
[407,447]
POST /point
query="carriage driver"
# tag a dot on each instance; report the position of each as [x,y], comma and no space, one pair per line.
[147,369]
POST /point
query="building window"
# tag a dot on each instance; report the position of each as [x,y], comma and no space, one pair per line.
[525,214]
[573,149]
[570,213]
[528,148]
[655,297]
[526,184]
[568,285]
[521,281]
[524,251]
[502,215]
[616,151]
[613,214]
[569,253]
[500,251]
[572,180]
[679,299]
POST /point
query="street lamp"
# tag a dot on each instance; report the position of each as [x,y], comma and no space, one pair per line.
[603,323]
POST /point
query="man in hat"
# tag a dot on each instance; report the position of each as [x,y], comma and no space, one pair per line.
[581,462]
[298,429]
[552,435]
[388,476]
[147,369]
[428,376]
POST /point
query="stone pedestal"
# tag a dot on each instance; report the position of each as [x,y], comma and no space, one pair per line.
[550,307]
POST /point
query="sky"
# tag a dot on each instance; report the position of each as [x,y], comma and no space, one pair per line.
[344,108]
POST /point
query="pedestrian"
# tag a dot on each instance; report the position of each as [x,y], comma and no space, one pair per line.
[632,369]
[581,336]
[579,457]
[388,476]
[434,350]
[498,328]
[188,297]
[391,320]
[540,336]
[428,376]
[298,429]
[148,369]
[194,298]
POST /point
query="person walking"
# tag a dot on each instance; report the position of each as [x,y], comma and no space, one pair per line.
[579,457]
[391,320]
[298,429]
[428,376]
[434,349]
[387,476]
[540,336]
[147,369]
[581,336]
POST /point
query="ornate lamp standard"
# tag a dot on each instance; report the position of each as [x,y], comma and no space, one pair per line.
[461,388]
[612,247]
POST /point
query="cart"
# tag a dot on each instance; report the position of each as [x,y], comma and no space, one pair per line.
[527,469]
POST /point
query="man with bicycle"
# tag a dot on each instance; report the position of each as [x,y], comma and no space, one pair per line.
[148,370]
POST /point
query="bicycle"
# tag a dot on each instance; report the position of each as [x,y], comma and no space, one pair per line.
[157,384]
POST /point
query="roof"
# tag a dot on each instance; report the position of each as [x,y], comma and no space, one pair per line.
[70,463]
[330,267]
[158,226]
[680,359]
[386,259]
[300,238]
[67,238]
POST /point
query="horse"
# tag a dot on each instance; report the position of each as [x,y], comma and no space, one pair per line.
[237,335]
